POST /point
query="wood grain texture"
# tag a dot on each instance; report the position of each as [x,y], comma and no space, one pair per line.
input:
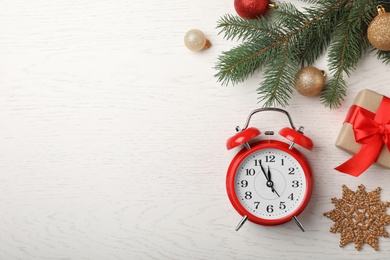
[113,138]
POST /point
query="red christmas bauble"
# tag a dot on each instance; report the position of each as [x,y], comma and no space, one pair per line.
[251,9]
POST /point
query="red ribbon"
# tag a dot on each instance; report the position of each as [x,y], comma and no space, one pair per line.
[372,131]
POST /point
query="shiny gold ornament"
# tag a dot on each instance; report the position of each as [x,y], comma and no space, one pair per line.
[378,31]
[309,81]
[195,40]
[360,217]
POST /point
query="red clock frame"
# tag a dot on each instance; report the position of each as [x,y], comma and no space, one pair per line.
[244,153]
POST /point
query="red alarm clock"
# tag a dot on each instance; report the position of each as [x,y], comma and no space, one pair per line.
[269,182]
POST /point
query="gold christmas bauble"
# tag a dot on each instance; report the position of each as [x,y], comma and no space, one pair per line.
[195,40]
[309,81]
[378,31]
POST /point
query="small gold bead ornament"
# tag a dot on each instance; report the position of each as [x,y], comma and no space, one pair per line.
[378,31]
[309,81]
[195,40]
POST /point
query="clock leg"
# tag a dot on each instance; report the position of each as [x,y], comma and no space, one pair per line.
[299,224]
[242,222]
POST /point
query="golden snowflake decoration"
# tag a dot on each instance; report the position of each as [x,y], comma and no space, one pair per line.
[360,217]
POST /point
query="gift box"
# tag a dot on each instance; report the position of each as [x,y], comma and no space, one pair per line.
[365,133]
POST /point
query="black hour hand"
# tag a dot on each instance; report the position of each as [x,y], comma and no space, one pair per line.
[270,183]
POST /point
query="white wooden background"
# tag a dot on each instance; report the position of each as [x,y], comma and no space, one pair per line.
[112,138]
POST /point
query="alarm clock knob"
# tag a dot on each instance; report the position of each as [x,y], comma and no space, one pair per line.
[242,137]
[297,137]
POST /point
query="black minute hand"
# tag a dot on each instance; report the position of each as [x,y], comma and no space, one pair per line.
[262,169]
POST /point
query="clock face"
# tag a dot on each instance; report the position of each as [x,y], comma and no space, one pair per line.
[270,184]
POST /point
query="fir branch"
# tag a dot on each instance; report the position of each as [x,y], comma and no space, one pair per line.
[384,56]
[339,62]
[320,2]
[279,73]
[334,92]
[234,27]
[288,17]
[363,11]
[292,37]
[315,40]
[237,64]
[288,26]
[348,46]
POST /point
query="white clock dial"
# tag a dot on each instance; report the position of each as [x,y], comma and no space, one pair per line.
[270,183]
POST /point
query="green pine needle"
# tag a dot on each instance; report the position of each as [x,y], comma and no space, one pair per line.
[383,56]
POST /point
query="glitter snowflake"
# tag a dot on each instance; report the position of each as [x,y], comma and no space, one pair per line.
[360,217]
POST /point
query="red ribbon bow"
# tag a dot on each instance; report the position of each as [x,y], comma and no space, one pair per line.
[372,131]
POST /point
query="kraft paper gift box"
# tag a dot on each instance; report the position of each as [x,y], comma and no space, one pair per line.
[371,101]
